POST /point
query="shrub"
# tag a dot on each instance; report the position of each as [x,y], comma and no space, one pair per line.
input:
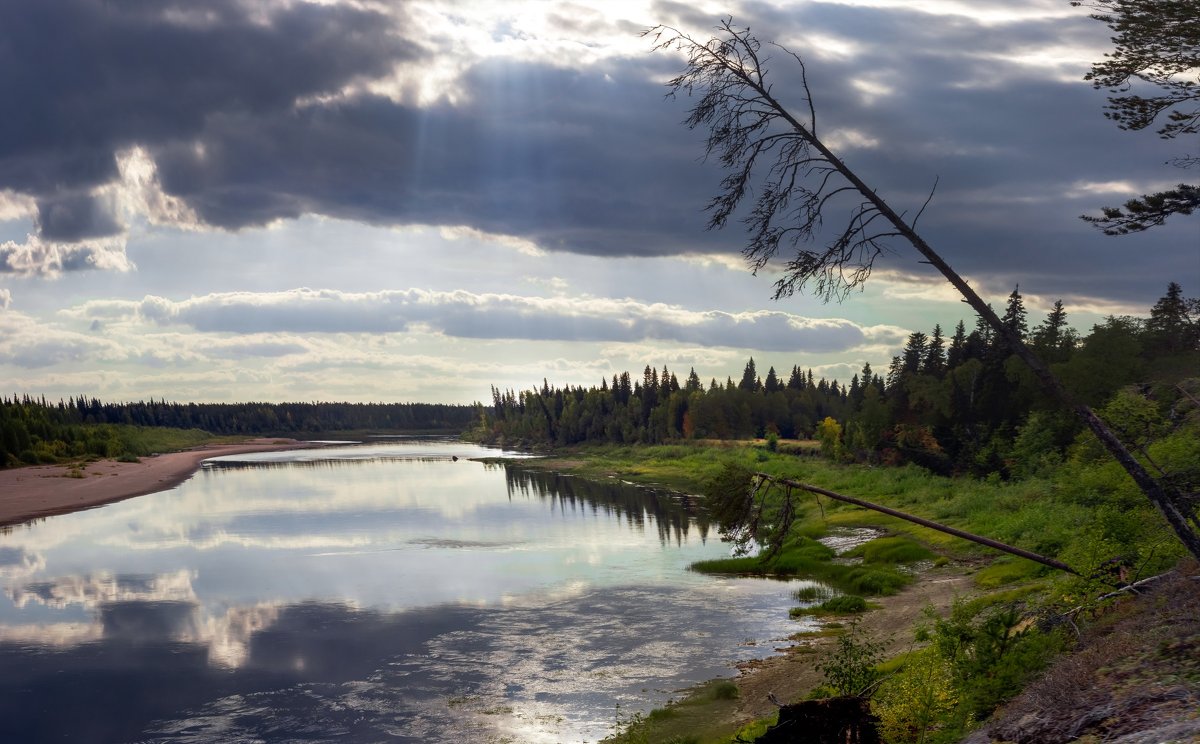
[918,700]
[850,669]
[845,604]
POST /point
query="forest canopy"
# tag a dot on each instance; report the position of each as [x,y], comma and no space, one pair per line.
[952,401]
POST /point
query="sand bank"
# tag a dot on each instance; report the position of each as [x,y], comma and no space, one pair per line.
[44,490]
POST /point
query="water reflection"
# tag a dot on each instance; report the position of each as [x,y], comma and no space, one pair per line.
[380,592]
[672,514]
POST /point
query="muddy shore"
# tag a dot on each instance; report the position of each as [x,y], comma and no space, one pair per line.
[45,490]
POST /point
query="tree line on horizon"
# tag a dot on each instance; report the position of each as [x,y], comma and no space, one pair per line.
[952,403]
[33,430]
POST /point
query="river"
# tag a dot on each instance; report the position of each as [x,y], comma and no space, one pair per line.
[397,590]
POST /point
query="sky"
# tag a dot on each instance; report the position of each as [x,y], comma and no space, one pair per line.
[281,200]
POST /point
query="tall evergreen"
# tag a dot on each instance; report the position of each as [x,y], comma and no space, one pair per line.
[749,381]
[772,384]
[796,381]
[1053,339]
[1174,324]
[1014,318]
[914,352]
[935,355]
[958,346]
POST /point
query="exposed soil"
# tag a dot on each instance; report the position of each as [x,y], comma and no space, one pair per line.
[793,674]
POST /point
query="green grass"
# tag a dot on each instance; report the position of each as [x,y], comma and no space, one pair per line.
[697,718]
[846,604]
[1060,514]
[807,558]
[891,550]
[815,593]
[1004,571]
[140,441]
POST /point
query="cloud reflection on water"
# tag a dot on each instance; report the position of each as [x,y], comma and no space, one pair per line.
[267,601]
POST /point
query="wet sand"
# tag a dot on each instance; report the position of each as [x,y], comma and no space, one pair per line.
[45,490]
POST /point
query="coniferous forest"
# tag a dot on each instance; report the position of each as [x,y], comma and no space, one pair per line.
[35,431]
[954,401]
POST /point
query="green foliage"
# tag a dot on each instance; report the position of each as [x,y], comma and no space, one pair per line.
[806,557]
[813,593]
[870,580]
[918,703]
[1150,74]
[724,690]
[972,407]
[1035,449]
[847,604]
[1004,571]
[829,434]
[990,652]
[891,550]
[850,668]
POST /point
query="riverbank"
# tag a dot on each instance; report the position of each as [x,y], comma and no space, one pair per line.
[1060,513]
[40,491]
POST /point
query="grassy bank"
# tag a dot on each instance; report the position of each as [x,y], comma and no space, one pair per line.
[1085,513]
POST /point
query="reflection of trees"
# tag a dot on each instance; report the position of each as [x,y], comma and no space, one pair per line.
[324,463]
[672,513]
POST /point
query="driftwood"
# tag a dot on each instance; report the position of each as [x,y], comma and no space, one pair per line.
[989,542]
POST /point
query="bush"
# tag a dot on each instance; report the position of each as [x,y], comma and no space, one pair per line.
[724,690]
[918,701]
[850,669]
[845,604]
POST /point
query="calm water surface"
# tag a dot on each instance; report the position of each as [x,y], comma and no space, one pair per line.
[379,592]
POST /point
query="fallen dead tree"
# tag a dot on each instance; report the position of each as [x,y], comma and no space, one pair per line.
[788,510]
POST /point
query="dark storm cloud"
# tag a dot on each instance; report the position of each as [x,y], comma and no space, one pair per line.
[84,79]
[73,217]
[1017,151]
[588,160]
[573,160]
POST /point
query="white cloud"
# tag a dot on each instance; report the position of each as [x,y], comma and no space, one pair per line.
[462,314]
[37,257]
[14,206]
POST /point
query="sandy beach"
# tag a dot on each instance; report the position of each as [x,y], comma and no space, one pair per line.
[45,490]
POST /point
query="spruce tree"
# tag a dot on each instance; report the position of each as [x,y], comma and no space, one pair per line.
[914,352]
[772,384]
[958,346]
[1171,328]
[1014,314]
[935,358]
[1053,339]
[749,381]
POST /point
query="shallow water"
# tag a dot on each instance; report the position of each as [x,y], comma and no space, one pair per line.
[366,593]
